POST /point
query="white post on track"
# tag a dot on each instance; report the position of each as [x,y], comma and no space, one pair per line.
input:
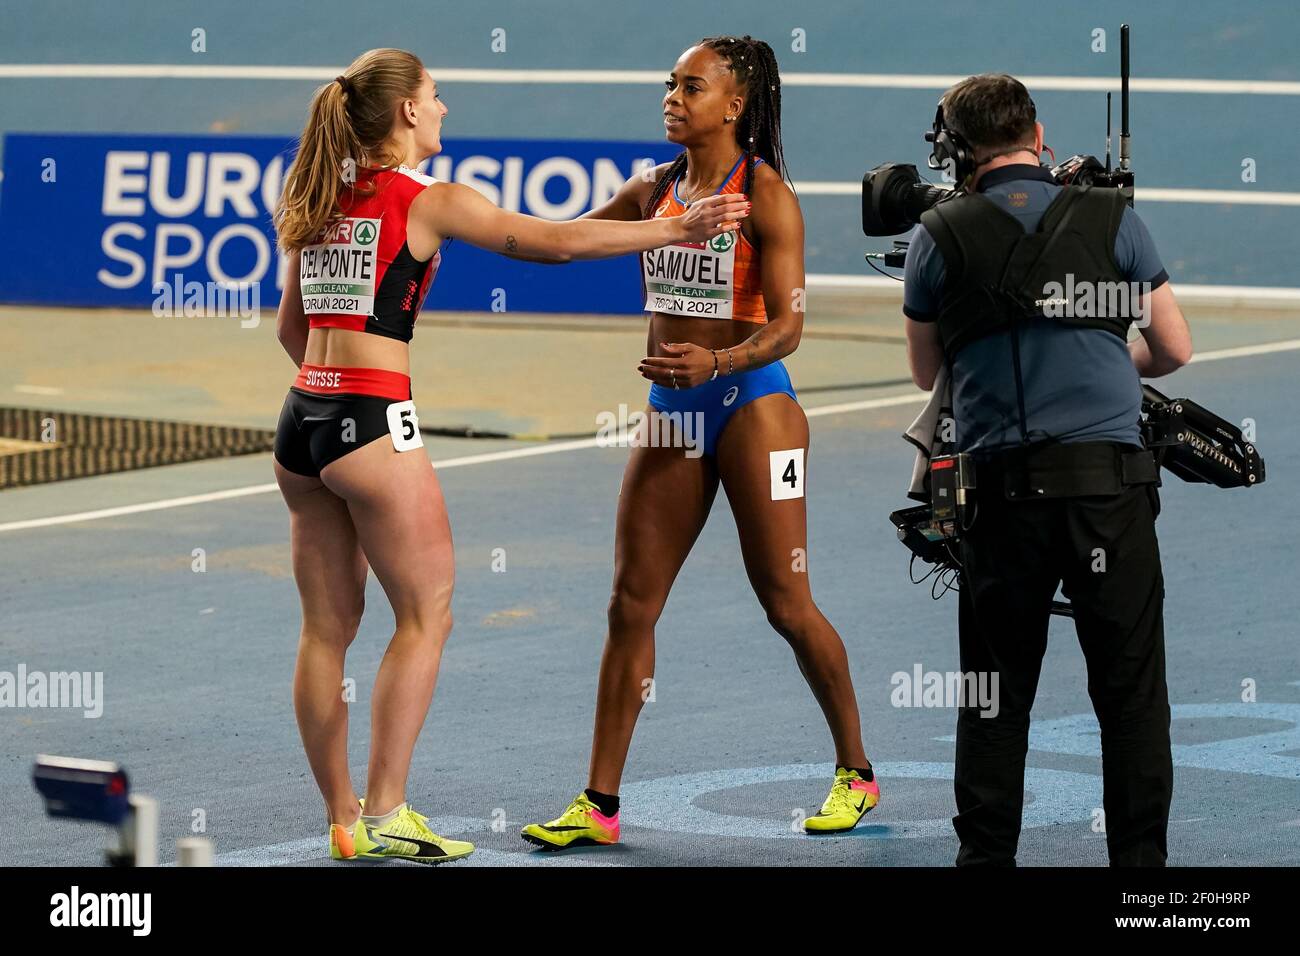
[141,830]
[194,851]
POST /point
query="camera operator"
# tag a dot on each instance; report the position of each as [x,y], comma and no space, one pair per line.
[1048,407]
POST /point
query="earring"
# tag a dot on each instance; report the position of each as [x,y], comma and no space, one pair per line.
[728,119]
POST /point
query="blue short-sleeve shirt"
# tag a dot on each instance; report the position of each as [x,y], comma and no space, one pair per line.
[1079,384]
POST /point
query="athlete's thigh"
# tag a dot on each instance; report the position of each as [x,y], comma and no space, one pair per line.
[663,505]
[328,564]
[773,529]
[401,519]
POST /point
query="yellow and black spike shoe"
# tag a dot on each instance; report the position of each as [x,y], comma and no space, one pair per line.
[406,836]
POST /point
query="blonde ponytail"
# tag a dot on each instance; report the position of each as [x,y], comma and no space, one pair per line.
[348,125]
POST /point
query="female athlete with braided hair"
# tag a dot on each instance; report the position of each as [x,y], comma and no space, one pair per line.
[724,314]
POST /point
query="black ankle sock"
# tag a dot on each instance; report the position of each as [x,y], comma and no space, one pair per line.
[866,774]
[606,803]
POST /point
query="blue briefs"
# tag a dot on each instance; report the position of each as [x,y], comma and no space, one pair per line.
[718,400]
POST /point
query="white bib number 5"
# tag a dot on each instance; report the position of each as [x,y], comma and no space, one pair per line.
[404,426]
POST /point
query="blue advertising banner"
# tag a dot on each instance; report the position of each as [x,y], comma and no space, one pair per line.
[117,220]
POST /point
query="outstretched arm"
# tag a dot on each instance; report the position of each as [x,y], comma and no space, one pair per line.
[624,206]
[446,210]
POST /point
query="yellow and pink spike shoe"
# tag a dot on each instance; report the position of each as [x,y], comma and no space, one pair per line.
[582,824]
[851,798]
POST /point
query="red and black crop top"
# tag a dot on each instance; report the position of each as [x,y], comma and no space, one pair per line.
[360,274]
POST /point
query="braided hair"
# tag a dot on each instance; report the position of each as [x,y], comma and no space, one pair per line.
[758,130]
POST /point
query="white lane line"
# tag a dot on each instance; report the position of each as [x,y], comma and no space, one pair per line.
[313,849]
[1252,294]
[137,509]
[1243,197]
[276,854]
[263,489]
[38,390]
[1267,348]
[895,81]
[517,453]
[886,402]
[1232,197]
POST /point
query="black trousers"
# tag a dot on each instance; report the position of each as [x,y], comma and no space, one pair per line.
[1012,562]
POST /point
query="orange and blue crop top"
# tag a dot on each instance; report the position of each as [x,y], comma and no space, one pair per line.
[717,279]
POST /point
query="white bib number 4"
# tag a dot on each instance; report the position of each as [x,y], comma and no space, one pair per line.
[787,474]
[404,426]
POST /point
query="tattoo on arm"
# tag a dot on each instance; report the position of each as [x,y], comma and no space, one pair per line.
[511,244]
[765,346]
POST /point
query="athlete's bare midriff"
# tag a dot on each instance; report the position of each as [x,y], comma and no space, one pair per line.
[706,333]
[344,348]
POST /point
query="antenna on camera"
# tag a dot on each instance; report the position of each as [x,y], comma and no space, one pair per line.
[1108,127]
[1123,99]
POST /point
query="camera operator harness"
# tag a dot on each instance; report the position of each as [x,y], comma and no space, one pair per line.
[1073,247]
